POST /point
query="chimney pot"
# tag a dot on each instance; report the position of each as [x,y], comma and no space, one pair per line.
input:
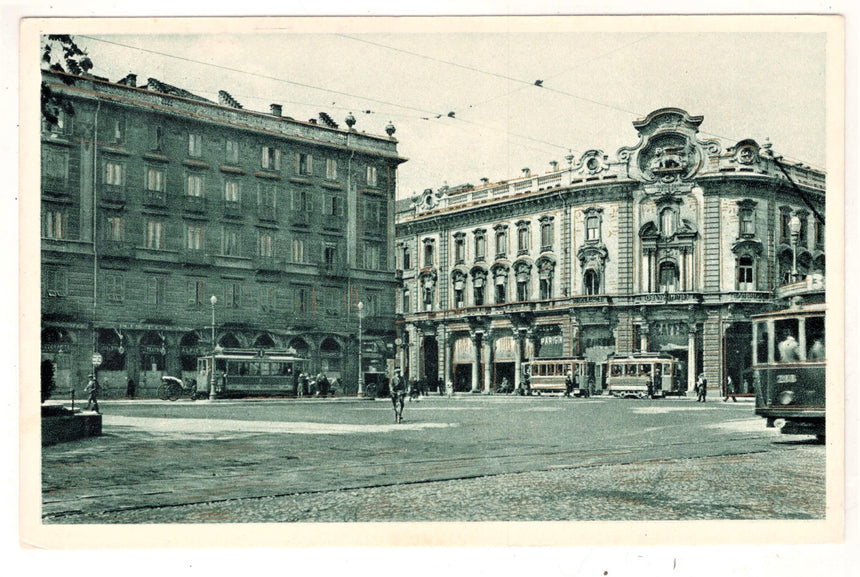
[276,109]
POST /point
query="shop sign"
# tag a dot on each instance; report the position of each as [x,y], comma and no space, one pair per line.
[56,348]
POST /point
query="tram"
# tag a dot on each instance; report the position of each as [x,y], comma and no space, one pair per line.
[549,375]
[249,372]
[789,361]
[640,375]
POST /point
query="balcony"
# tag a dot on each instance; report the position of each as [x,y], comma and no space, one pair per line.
[155,198]
[196,257]
[267,212]
[267,263]
[334,269]
[113,195]
[196,204]
[300,219]
[116,249]
[233,208]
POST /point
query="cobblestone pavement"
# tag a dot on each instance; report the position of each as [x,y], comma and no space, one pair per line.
[454,460]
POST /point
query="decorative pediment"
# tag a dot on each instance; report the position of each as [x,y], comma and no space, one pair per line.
[747,246]
[746,151]
[592,256]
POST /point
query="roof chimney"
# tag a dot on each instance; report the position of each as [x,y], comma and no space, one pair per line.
[485,180]
[276,109]
[554,165]
[129,80]
[527,172]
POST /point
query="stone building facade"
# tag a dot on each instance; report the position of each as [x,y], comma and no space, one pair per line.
[154,200]
[667,246]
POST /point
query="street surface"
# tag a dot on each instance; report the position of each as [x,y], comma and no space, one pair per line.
[468,458]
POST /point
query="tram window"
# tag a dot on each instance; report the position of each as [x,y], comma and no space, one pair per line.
[667,368]
[644,369]
[786,332]
[814,338]
[616,370]
[762,344]
[631,369]
[265,369]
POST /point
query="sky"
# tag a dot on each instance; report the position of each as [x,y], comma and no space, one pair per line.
[462,95]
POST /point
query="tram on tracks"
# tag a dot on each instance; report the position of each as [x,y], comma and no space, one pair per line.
[549,375]
[250,373]
[788,369]
[640,375]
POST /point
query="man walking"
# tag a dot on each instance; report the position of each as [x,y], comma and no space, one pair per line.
[730,390]
[701,388]
[568,384]
[93,389]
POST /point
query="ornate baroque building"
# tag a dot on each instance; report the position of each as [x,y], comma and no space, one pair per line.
[669,246]
[154,200]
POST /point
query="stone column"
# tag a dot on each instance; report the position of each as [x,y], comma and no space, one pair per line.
[441,355]
[487,357]
[518,357]
[475,340]
[643,337]
[691,358]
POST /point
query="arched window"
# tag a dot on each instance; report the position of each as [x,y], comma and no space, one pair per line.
[668,277]
[746,274]
[591,280]
[479,281]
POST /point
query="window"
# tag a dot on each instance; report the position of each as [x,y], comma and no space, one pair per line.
[747,218]
[479,295]
[155,179]
[304,164]
[372,256]
[407,304]
[231,154]
[114,174]
[373,214]
[195,145]
[303,299]
[154,234]
[546,234]
[459,248]
[330,254]
[114,230]
[268,298]
[54,224]
[523,239]
[591,282]
[231,191]
[545,288]
[334,206]
[298,250]
[746,274]
[667,222]
[501,289]
[668,277]
[819,232]
[331,169]
[522,290]
[407,258]
[271,159]
[592,228]
[55,167]
[194,236]
[371,176]
[113,287]
[266,195]
[118,130]
[501,243]
[233,294]
[266,245]
[429,258]
[195,185]
[157,138]
[230,245]
[155,290]
[480,245]
[302,201]
[459,299]
[784,229]
[196,292]
[62,126]
[55,282]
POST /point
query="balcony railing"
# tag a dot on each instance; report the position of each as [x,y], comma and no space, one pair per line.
[196,256]
[155,198]
[116,249]
[333,269]
[194,203]
[267,263]
[232,208]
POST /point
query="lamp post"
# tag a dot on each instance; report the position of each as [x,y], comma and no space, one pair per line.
[213,299]
[794,228]
[360,368]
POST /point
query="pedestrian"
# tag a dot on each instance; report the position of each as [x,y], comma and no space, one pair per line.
[449,388]
[303,385]
[398,393]
[650,386]
[505,386]
[129,389]
[93,389]
[322,384]
[730,390]
[701,388]
[568,384]
[590,388]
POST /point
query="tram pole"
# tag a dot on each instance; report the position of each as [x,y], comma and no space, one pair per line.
[212,300]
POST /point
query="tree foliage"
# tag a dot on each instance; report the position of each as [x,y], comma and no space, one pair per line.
[70,60]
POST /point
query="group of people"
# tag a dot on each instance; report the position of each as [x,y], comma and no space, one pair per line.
[314,386]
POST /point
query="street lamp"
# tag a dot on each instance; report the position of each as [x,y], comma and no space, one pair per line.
[360,369]
[213,299]
[794,228]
